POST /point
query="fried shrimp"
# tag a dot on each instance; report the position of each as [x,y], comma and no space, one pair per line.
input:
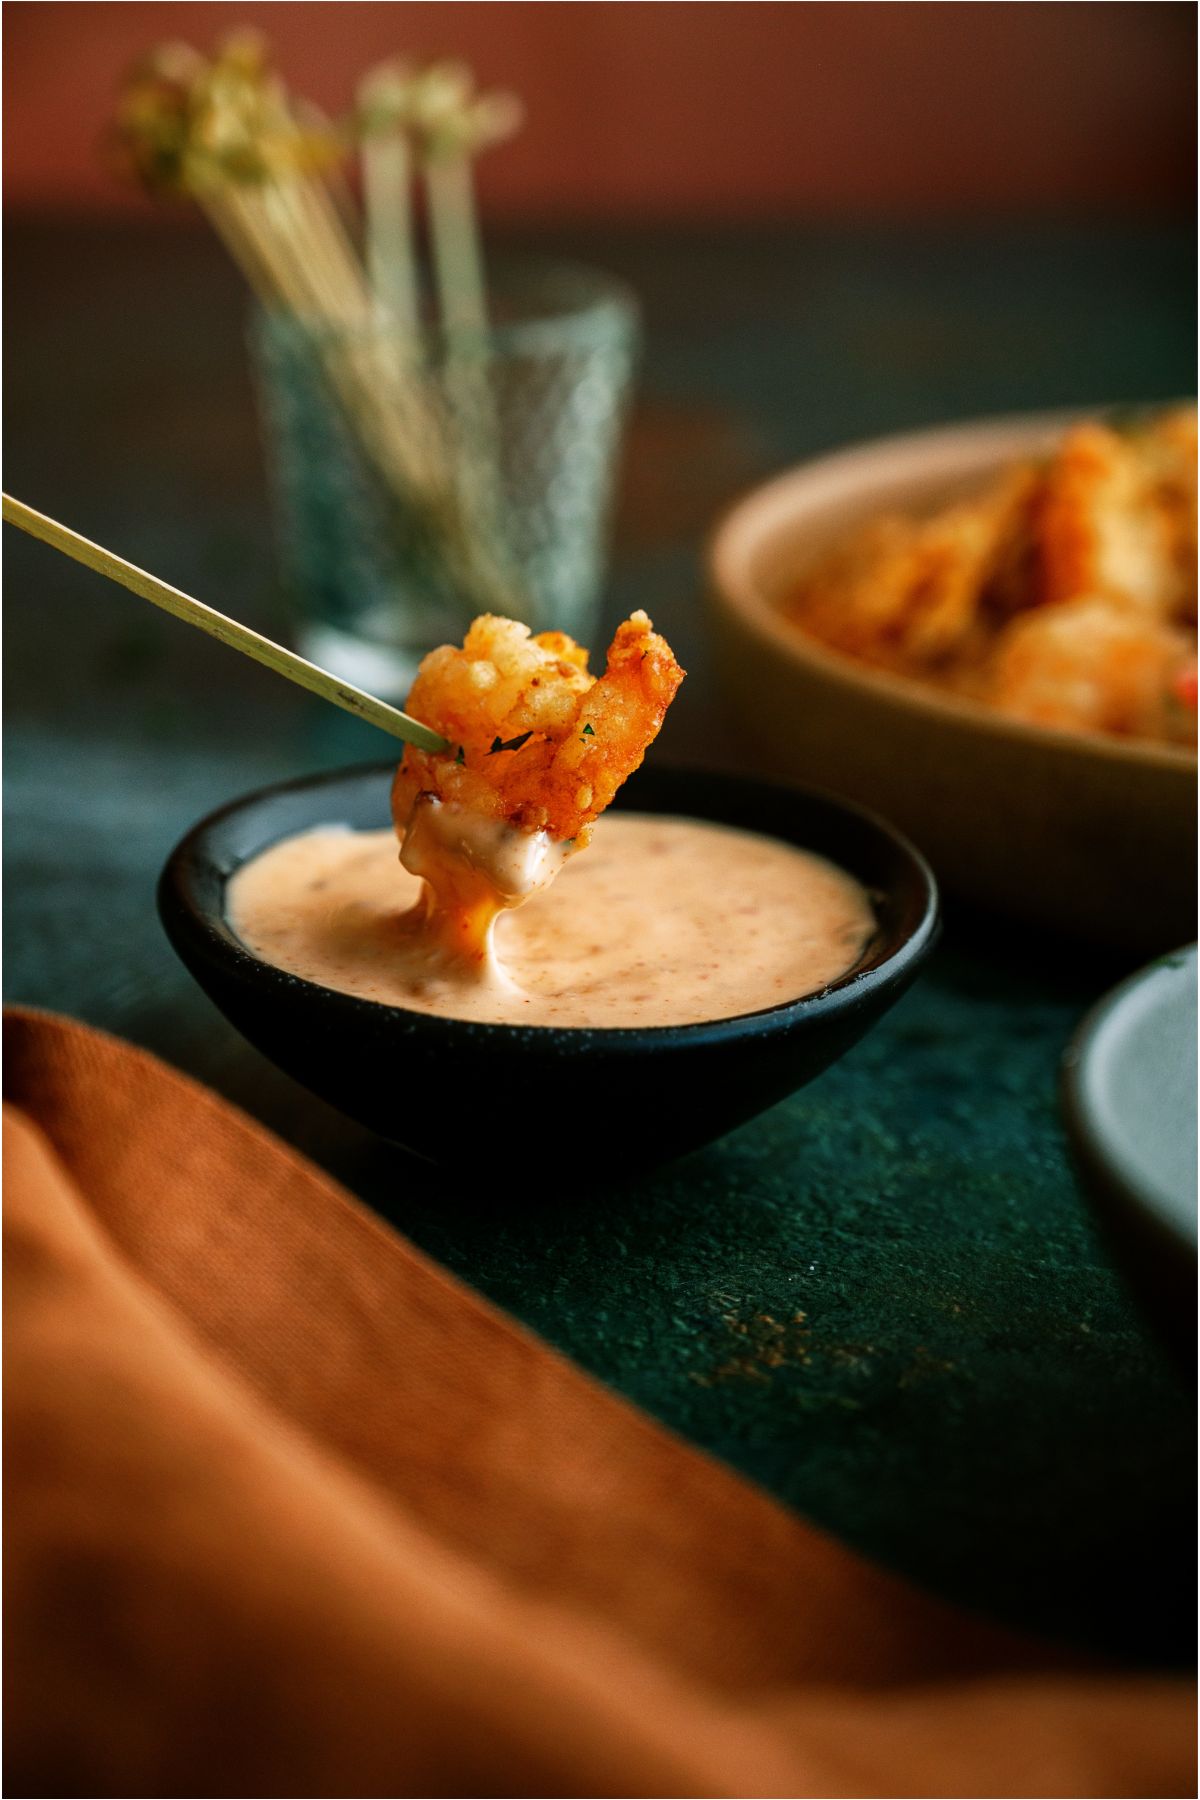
[1063,593]
[1103,528]
[539,748]
[1087,665]
[537,741]
[905,593]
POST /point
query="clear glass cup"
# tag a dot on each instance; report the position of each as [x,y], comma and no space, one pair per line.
[419,484]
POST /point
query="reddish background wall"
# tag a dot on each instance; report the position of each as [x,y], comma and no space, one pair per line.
[693,109]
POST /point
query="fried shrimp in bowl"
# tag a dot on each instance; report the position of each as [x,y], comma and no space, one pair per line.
[1061,593]
[538,749]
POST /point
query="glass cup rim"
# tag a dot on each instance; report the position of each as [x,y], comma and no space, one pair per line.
[600,299]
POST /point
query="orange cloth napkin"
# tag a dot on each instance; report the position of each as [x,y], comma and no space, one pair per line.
[291,1512]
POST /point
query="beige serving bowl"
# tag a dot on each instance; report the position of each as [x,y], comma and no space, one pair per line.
[1085,833]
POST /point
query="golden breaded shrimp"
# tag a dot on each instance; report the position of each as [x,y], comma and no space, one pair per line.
[1101,531]
[1169,450]
[905,594]
[1089,665]
[537,741]
[539,748]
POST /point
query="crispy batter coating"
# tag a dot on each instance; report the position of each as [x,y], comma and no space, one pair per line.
[538,741]
[1103,529]
[1102,533]
[1088,665]
[905,593]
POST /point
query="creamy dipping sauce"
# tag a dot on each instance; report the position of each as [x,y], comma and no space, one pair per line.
[660,921]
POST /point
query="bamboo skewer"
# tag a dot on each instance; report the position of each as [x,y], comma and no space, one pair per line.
[226,631]
[454,239]
[384,100]
[387,183]
[451,125]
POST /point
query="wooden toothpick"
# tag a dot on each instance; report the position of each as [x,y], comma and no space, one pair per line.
[383,105]
[226,631]
[453,125]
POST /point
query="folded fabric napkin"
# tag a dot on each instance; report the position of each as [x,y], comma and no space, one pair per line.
[290,1512]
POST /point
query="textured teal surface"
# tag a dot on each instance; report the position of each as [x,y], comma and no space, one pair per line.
[884,1300]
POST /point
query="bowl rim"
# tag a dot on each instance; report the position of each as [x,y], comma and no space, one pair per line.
[1142,1198]
[183,915]
[754,516]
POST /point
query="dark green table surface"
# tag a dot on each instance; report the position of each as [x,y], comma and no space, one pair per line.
[884,1300]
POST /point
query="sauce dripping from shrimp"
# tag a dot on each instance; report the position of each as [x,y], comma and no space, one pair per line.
[472,868]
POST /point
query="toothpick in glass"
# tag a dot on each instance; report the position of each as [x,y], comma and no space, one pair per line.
[225,133]
[383,121]
[452,125]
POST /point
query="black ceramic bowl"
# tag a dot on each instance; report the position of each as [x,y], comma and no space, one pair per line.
[607,1099]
